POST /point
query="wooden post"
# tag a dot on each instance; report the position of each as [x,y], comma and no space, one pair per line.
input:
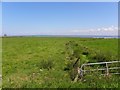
[76,68]
[107,69]
[81,73]
[83,70]
[78,73]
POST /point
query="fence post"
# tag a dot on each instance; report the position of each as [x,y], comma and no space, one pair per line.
[81,73]
[107,69]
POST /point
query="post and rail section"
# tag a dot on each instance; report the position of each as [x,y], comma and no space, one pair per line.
[83,71]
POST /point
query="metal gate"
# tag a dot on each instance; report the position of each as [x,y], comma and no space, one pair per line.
[106,67]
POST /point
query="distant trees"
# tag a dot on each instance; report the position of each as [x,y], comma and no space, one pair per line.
[5,35]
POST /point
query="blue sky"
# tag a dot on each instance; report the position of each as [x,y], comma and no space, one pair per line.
[83,18]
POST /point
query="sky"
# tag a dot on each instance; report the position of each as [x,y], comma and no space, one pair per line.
[60,18]
[60,0]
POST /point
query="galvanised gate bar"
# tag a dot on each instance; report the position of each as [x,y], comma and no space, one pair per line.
[83,70]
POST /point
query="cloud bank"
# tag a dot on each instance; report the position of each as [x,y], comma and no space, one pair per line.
[112,30]
[103,31]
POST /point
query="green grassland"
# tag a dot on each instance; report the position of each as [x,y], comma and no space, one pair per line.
[24,57]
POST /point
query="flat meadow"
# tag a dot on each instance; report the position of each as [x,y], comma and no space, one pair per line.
[39,62]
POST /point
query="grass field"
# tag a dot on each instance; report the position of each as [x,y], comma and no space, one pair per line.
[23,56]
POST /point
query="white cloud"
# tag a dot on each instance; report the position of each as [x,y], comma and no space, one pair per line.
[112,30]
